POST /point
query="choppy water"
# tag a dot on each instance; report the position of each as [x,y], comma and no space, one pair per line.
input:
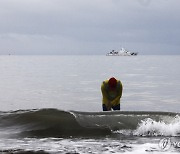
[52,104]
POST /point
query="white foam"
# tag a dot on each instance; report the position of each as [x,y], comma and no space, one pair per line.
[149,127]
[148,148]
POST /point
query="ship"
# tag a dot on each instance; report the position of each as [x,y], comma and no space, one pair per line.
[122,52]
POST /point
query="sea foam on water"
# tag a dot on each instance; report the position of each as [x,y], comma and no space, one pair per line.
[149,127]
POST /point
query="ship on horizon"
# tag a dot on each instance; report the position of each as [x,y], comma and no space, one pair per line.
[122,52]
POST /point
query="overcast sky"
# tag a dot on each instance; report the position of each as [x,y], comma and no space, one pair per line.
[89,26]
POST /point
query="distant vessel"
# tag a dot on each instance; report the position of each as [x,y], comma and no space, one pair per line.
[122,52]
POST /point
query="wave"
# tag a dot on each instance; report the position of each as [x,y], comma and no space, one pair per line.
[150,127]
[58,123]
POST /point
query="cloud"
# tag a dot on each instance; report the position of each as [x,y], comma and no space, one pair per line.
[91,26]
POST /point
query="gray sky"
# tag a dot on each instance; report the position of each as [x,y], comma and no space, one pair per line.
[89,26]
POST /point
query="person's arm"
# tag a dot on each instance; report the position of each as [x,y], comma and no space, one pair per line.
[105,100]
[116,101]
[104,94]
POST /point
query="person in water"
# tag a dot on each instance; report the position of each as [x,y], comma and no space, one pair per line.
[111,93]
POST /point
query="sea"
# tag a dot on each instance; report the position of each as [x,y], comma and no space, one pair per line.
[52,104]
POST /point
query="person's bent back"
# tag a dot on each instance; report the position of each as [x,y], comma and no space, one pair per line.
[111,93]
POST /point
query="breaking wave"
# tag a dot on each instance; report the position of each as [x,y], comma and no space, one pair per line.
[58,123]
[150,127]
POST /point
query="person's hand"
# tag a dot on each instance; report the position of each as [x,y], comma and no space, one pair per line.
[109,106]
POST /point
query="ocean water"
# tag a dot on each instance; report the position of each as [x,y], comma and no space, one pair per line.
[52,104]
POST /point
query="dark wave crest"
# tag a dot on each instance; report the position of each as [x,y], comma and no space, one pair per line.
[57,123]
